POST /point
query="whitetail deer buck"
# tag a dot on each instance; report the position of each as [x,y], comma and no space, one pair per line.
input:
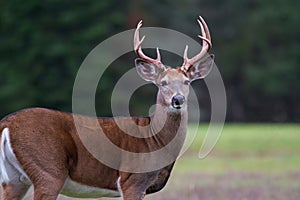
[41,147]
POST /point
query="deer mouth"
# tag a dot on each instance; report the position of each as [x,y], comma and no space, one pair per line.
[177,107]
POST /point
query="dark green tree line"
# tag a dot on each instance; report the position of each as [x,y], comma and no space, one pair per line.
[42,44]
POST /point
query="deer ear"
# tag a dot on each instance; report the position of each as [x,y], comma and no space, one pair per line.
[201,69]
[148,71]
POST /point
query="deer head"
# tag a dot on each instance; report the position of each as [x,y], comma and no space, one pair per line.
[173,83]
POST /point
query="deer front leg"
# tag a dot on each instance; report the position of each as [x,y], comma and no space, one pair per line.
[134,186]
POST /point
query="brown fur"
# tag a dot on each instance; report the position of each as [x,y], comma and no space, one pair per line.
[49,150]
[47,145]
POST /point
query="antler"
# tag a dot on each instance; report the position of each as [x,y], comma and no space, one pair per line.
[138,49]
[206,46]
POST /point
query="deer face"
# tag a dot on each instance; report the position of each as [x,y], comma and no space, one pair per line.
[173,84]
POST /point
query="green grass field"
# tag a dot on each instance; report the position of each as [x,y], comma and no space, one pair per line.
[249,162]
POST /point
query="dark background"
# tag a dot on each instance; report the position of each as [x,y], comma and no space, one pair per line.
[256,43]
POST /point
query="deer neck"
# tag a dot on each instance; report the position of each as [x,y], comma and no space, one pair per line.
[166,123]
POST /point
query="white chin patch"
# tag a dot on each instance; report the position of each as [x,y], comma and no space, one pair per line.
[177,107]
[174,109]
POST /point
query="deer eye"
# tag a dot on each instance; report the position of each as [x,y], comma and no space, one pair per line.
[164,83]
[186,82]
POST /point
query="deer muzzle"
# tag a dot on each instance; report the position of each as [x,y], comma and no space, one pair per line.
[178,101]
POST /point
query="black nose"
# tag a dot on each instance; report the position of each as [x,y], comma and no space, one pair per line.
[177,101]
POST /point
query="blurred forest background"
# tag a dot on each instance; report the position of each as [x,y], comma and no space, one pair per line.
[256,43]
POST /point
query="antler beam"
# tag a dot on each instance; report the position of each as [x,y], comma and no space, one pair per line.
[206,46]
[138,47]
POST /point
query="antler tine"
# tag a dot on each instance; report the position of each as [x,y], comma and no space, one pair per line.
[138,47]
[205,32]
[185,51]
[206,46]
